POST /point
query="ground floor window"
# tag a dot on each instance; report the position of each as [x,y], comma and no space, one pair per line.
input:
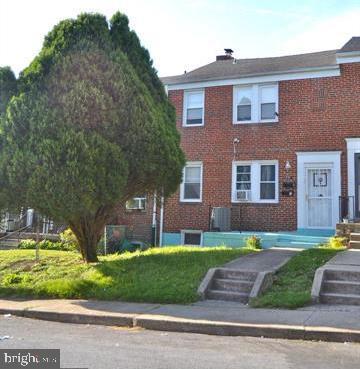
[191,238]
[255,181]
[191,187]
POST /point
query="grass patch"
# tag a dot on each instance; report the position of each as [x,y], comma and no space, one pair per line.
[161,275]
[293,282]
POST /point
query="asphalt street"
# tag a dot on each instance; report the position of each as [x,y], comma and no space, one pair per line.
[98,347]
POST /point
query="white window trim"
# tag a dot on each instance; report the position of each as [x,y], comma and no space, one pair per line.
[183,231]
[255,181]
[186,92]
[192,164]
[255,104]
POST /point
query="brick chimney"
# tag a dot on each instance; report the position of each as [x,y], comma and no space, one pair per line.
[226,56]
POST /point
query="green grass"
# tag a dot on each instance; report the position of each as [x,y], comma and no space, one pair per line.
[162,275]
[293,282]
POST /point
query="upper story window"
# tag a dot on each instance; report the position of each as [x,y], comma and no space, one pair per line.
[268,99]
[243,104]
[255,104]
[136,203]
[255,181]
[191,186]
[193,108]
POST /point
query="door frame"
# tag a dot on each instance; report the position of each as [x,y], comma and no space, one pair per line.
[353,148]
[356,186]
[317,159]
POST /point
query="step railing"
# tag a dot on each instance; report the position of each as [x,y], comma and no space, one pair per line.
[30,223]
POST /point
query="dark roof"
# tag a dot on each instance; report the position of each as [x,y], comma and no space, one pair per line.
[227,69]
[352,45]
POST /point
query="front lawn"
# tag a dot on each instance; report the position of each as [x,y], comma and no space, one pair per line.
[162,275]
[293,282]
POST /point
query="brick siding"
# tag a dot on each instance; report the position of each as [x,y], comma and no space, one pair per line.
[314,115]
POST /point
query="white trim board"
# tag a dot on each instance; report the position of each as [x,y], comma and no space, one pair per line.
[306,73]
[348,57]
[312,159]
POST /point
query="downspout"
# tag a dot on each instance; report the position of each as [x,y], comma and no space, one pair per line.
[161,221]
[153,226]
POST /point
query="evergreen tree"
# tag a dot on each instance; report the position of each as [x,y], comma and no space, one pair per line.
[90,127]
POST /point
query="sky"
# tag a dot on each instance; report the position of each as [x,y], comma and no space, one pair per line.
[185,34]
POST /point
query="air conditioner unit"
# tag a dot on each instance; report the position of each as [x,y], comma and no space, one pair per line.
[243,195]
[221,219]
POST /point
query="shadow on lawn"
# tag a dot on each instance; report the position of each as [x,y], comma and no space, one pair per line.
[168,275]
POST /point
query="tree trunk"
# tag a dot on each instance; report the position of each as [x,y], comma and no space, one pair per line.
[88,250]
[88,233]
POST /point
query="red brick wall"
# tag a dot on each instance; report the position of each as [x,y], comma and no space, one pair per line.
[138,222]
[314,115]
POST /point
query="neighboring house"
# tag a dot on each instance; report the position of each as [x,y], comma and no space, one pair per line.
[140,218]
[275,140]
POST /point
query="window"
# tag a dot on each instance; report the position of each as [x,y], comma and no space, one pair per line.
[255,104]
[193,108]
[243,104]
[255,181]
[136,203]
[191,238]
[268,102]
[243,177]
[267,182]
[191,187]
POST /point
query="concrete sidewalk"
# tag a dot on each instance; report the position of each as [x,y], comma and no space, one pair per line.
[266,260]
[327,323]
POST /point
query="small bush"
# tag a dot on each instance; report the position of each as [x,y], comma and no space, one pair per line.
[337,242]
[46,245]
[16,278]
[68,238]
[253,242]
[11,278]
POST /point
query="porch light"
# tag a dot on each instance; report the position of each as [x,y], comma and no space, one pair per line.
[288,186]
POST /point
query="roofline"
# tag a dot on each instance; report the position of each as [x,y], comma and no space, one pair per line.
[292,74]
[348,57]
[348,53]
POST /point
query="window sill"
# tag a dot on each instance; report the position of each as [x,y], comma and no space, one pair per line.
[190,201]
[259,122]
[273,202]
[193,125]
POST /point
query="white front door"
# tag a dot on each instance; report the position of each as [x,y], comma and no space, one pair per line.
[319,197]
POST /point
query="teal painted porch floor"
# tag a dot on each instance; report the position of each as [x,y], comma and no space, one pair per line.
[302,238]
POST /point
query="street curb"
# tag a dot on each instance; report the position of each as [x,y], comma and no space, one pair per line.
[253,330]
[171,324]
[75,318]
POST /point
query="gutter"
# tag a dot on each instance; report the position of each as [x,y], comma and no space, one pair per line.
[161,221]
[300,73]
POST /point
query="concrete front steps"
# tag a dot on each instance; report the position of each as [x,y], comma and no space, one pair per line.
[354,240]
[9,244]
[231,285]
[340,287]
